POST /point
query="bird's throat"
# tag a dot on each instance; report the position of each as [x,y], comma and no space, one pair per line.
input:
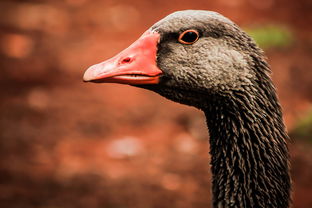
[249,155]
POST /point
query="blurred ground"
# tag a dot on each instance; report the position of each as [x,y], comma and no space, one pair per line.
[64,143]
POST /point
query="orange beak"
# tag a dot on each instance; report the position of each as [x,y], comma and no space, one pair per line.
[135,65]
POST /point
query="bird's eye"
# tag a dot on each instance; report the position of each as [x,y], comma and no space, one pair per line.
[188,37]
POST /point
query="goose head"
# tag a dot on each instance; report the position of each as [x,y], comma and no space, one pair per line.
[183,56]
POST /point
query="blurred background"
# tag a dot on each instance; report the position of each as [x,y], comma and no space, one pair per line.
[65,143]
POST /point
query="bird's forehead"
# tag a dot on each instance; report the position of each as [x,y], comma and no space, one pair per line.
[189,19]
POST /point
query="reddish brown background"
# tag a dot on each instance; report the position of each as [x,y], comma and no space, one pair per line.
[65,143]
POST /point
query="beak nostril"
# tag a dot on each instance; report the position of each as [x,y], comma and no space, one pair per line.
[126,60]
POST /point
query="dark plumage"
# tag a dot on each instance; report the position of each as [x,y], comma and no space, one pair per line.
[225,75]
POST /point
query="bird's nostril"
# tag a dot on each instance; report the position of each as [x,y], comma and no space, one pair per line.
[126,60]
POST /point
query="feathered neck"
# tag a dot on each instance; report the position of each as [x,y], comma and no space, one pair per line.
[249,155]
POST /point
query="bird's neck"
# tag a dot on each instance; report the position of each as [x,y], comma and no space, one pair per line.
[249,155]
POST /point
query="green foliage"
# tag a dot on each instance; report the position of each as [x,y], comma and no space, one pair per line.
[271,36]
[303,129]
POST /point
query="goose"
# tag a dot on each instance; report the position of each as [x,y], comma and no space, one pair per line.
[202,59]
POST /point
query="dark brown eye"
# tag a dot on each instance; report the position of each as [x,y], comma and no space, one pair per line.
[188,37]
